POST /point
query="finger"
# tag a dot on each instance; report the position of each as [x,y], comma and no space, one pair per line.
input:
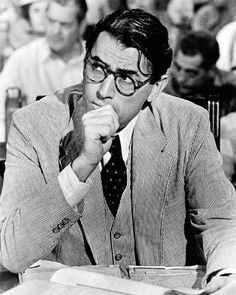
[102,119]
[95,131]
[99,128]
[107,110]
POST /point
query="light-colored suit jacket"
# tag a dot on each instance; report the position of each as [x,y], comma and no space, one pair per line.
[178,193]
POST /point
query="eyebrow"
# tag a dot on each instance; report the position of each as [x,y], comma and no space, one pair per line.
[119,70]
[186,70]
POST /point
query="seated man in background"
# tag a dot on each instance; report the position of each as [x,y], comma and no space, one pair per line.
[47,64]
[194,74]
[114,171]
[25,21]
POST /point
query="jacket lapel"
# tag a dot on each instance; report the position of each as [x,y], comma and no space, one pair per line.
[151,167]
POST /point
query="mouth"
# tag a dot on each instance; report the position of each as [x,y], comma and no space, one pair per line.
[54,39]
[95,105]
[184,89]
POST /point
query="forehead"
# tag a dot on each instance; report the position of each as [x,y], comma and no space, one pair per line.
[116,55]
[188,62]
[39,5]
[62,13]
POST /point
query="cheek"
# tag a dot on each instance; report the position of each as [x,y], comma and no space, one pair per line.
[89,89]
[127,112]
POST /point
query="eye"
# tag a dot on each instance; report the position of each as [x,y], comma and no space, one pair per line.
[97,66]
[176,67]
[125,79]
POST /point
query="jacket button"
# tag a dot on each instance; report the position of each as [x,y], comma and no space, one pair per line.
[55,230]
[65,221]
[117,235]
[60,226]
[118,257]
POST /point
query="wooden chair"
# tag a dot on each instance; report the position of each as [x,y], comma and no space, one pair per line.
[212,104]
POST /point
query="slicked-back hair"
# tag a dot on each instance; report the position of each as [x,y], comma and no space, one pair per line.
[141,30]
[80,4]
[202,43]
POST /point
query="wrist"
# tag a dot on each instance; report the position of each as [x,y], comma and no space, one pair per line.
[82,167]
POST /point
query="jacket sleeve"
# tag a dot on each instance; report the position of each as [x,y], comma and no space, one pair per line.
[212,200]
[33,210]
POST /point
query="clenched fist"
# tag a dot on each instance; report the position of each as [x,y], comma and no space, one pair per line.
[99,126]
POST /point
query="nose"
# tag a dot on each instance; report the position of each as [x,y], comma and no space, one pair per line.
[107,88]
[181,77]
[56,28]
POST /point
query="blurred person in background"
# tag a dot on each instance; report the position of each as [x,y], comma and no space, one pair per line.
[25,21]
[22,22]
[155,7]
[180,13]
[47,64]
[194,75]
[194,72]
[226,38]
[112,5]
[213,16]
[228,145]
[98,9]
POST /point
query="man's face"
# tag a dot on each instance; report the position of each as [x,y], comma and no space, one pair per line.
[37,15]
[62,27]
[188,74]
[108,52]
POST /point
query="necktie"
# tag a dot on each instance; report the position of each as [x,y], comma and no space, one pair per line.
[114,178]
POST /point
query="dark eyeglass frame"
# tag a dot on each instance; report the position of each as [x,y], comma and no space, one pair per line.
[107,71]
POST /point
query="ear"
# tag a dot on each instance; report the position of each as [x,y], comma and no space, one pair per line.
[157,88]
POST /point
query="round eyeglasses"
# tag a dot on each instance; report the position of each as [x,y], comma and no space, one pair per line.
[97,72]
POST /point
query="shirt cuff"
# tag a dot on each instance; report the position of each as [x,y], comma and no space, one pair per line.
[73,189]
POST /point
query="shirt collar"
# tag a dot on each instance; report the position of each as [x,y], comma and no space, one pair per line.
[47,53]
[125,138]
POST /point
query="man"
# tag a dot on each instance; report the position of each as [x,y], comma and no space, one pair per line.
[55,202]
[50,63]
[226,38]
[213,16]
[194,73]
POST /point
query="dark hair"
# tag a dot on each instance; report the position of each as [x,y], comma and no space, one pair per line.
[81,4]
[141,30]
[25,11]
[200,42]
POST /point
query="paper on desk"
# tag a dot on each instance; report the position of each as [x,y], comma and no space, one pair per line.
[44,269]
[79,277]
